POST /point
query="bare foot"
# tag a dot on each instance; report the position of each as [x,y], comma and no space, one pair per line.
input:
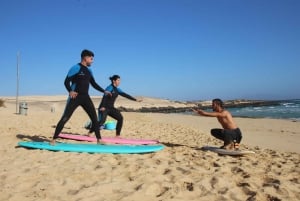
[236,146]
[118,136]
[229,146]
[99,141]
[52,142]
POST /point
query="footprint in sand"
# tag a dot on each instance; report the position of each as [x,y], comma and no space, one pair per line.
[246,189]
[237,170]
[167,171]
[270,182]
[213,182]
[189,186]
[295,180]
[183,171]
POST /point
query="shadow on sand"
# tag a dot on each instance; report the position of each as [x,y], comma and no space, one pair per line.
[36,138]
[168,144]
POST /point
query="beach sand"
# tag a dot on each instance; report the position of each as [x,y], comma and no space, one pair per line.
[181,171]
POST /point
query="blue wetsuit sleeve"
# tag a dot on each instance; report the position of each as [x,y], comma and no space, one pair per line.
[109,88]
[122,93]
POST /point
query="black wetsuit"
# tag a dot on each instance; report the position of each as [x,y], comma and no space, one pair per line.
[108,102]
[227,135]
[80,78]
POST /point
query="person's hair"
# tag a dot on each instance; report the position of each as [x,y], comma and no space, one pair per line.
[218,102]
[86,53]
[114,78]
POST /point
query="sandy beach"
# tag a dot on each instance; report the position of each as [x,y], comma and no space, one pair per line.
[181,171]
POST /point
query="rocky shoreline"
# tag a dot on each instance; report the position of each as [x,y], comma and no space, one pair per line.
[149,105]
[201,104]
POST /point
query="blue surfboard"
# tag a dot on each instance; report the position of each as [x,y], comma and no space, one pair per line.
[92,148]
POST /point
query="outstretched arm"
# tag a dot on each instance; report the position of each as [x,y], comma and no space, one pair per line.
[128,96]
[122,93]
[96,86]
[208,114]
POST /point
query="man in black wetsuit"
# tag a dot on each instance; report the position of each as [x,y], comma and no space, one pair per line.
[80,77]
[107,107]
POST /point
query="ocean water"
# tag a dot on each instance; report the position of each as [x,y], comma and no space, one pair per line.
[288,109]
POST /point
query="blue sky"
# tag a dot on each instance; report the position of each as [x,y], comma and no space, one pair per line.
[174,49]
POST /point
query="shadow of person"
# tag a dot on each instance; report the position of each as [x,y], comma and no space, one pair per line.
[169,144]
[36,138]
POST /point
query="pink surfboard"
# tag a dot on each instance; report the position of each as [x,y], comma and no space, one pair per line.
[112,140]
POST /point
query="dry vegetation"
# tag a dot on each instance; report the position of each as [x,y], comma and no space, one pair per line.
[2,103]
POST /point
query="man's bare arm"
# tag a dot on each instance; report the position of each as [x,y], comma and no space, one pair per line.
[209,114]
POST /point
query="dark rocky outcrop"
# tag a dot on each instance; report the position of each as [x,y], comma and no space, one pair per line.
[203,105]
